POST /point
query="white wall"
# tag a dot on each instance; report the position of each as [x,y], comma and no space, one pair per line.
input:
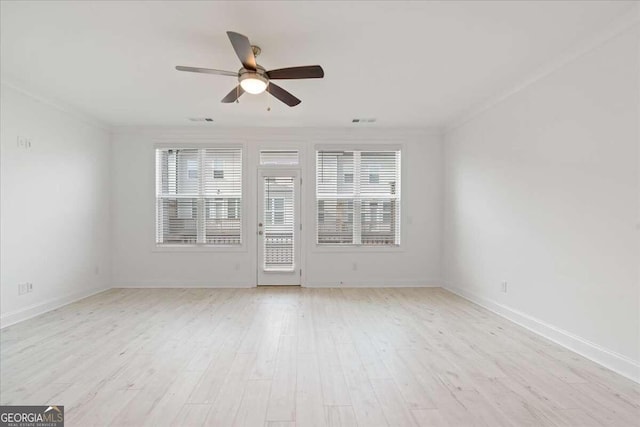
[54,217]
[542,191]
[137,263]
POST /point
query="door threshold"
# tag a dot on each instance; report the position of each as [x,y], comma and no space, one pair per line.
[279,286]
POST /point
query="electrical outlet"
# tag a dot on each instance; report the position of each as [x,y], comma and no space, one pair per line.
[503,287]
[23,288]
[355,266]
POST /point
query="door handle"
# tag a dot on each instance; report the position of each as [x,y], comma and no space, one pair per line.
[260,232]
[259,224]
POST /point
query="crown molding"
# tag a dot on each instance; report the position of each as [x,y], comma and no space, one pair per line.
[57,104]
[622,24]
[284,132]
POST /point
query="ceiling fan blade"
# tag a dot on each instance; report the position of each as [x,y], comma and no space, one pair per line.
[233,95]
[305,72]
[282,95]
[207,71]
[242,46]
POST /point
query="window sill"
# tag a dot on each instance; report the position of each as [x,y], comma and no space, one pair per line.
[357,249]
[197,248]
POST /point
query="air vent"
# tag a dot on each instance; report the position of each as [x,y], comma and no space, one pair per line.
[200,119]
[363,120]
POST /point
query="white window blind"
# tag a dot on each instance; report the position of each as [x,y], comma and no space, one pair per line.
[358,197]
[199,196]
[279,157]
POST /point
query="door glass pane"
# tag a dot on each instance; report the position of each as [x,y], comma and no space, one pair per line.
[279,224]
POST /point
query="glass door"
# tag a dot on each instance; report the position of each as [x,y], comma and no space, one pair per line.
[278,227]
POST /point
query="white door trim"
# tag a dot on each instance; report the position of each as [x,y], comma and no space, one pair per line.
[276,277]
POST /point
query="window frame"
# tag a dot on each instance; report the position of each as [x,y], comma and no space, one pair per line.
[200,144]
[356,146]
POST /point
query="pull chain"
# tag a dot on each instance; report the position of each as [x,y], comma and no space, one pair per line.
[269,101]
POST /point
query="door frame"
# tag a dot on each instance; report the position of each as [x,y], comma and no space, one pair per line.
[275,276]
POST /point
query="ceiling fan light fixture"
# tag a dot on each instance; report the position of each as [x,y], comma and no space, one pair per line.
[253,83]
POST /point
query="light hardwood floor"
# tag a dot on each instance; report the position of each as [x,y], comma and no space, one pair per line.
[301,357]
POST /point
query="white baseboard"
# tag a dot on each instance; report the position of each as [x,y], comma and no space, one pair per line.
[187,285]
[376,284]
[308,284]
[13,317]
[610,359]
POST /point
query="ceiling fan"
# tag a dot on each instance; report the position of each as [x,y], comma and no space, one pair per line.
[255,79]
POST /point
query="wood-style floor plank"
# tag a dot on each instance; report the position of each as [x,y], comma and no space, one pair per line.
[288,356]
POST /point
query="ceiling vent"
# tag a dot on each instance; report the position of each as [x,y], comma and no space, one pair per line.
[363,120]
[200,119]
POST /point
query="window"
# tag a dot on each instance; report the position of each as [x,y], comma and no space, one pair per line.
[215,208]
[233,209]
[218,169]
[279,157]
[274,213]
[198,196]
[358,197]
[279,223]
[192,169]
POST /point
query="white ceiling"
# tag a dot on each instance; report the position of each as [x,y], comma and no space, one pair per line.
[406,64]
